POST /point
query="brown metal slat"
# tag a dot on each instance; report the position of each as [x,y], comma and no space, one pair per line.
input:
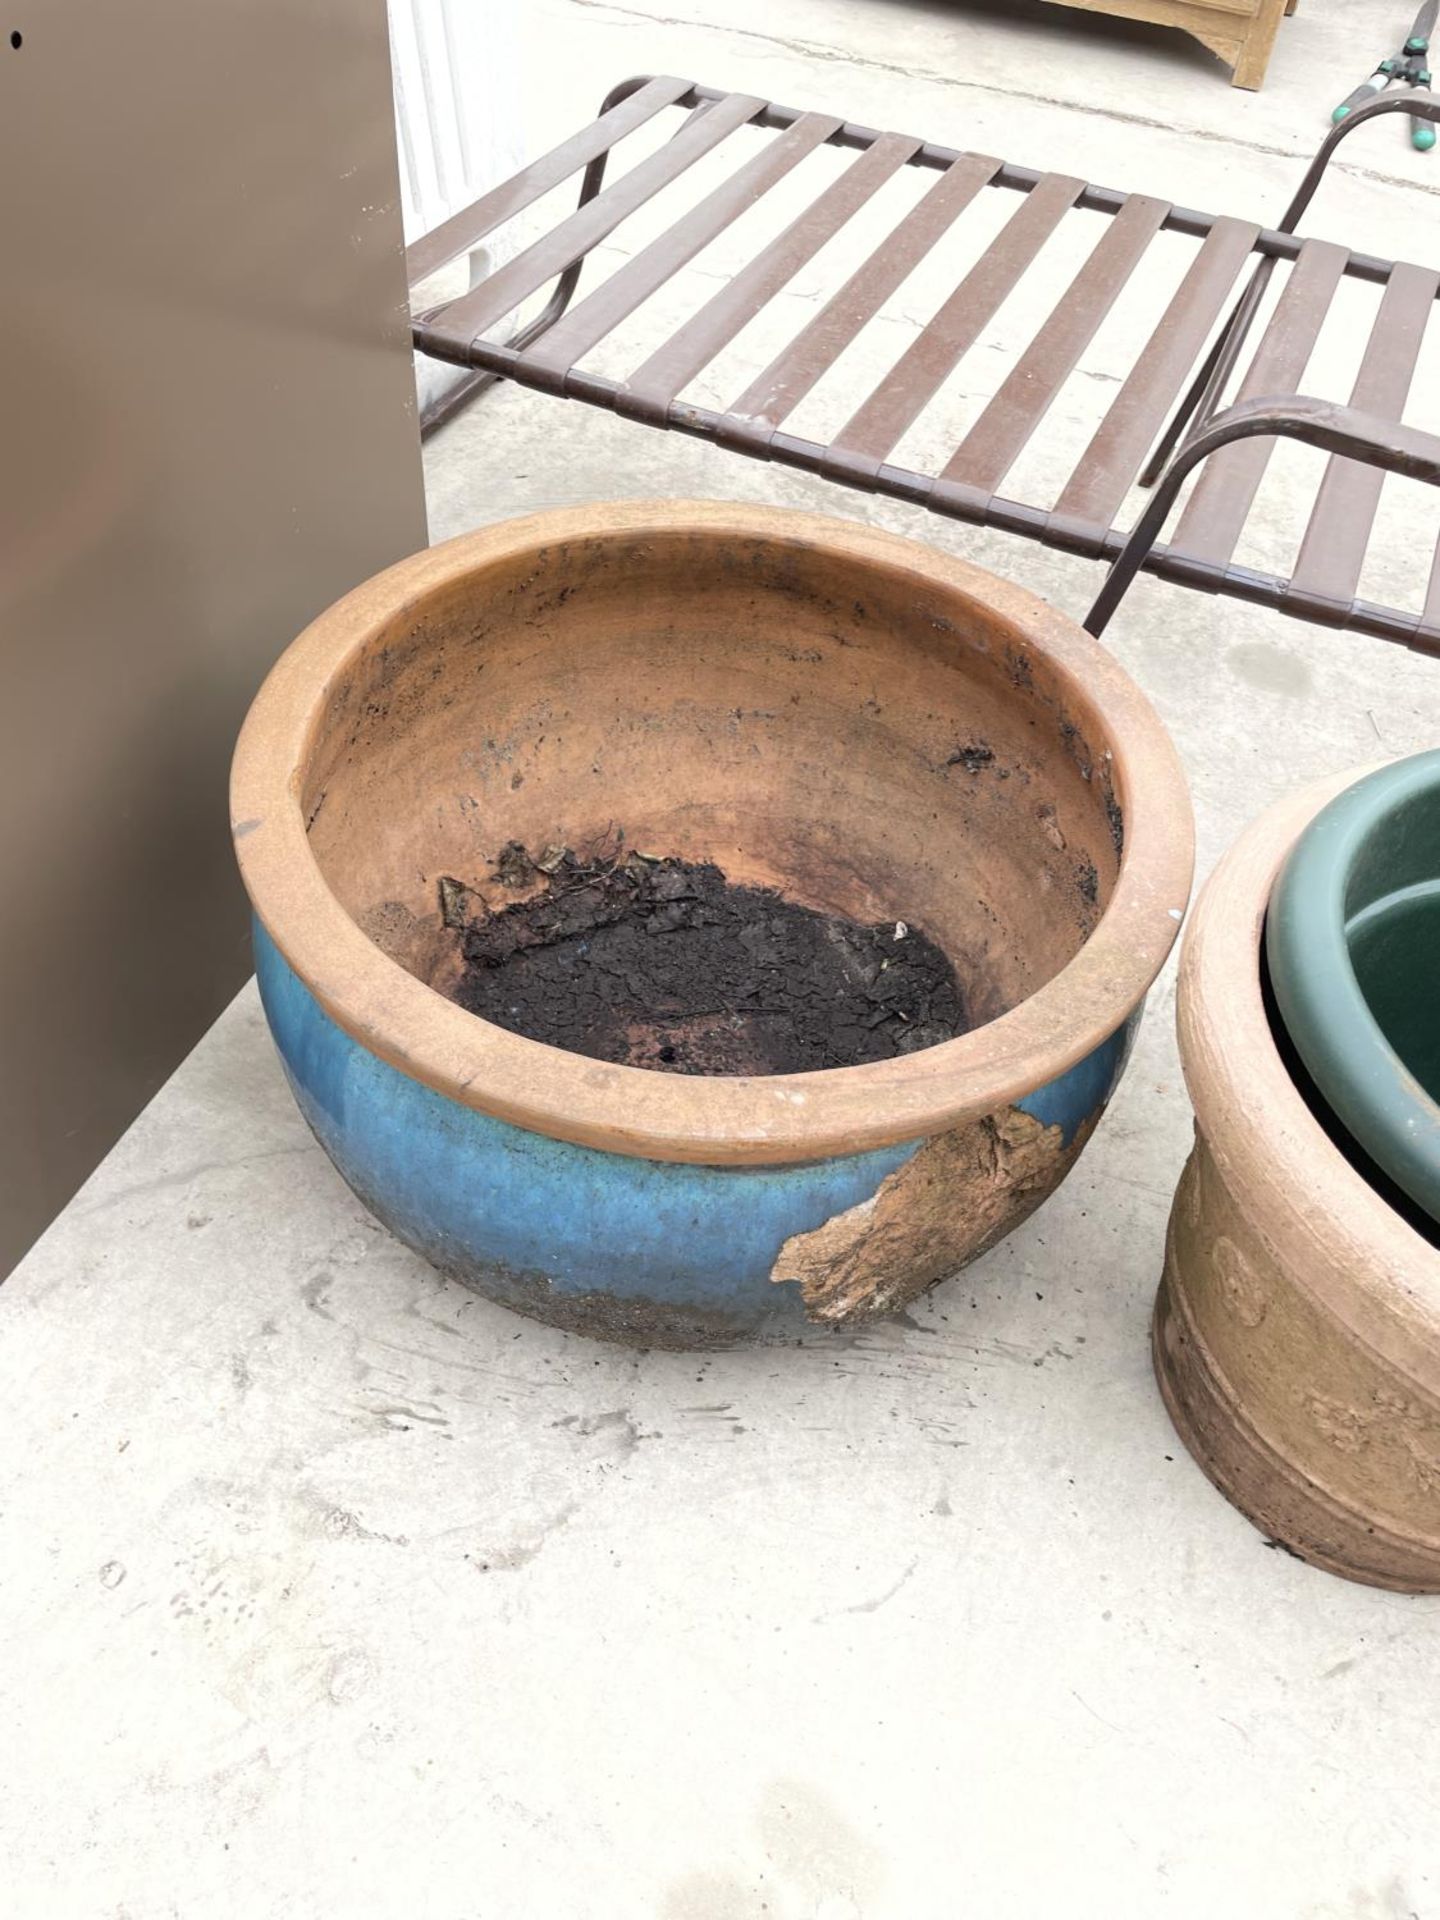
[675,363]
[775,393]
[568,340]
[1215,514]
[1031,523]
[1096,490]
[993,444]
[1332,556]
[469,227]
[469,316]
[880,421]
[1095,199]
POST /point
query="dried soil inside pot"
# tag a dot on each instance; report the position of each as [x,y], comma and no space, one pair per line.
[664,964]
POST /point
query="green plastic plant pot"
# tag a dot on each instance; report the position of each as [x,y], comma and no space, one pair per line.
[1353,947]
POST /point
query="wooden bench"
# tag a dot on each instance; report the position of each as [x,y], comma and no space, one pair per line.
[1242,32]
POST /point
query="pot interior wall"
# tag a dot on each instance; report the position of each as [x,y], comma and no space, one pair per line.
[870,744]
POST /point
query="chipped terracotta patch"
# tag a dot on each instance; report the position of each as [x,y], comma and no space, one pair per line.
[954,1198]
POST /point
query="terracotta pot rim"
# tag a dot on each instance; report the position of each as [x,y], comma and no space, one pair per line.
[1299,1187]
[719,1121]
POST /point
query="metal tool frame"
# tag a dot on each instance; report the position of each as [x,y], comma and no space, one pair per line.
[1408,68]
[1198,429]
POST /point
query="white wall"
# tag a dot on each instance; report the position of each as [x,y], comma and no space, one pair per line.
[456,71]
[457,109]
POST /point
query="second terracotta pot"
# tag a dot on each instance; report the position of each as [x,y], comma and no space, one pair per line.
[1297,1330]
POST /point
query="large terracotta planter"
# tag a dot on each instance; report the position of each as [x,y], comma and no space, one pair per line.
[1297,1331]
[878,731]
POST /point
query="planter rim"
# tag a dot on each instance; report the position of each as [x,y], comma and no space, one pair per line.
[722,1120]
[1357,1072]
[1364,1262]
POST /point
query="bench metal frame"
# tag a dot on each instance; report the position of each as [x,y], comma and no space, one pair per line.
[1149,433]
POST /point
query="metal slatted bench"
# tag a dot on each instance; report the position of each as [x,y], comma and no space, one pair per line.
[1157,429]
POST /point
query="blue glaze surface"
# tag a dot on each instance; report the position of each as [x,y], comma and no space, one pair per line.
[1069,1101]
[535,1221]
[470,1190]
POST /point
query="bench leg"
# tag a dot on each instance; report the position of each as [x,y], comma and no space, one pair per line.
[459,397]
[1204,390]
[1334,429]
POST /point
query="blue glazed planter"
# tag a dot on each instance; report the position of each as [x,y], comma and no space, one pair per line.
[605,1243]
[993,777]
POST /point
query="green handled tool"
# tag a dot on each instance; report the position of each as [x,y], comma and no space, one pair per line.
[1410,68]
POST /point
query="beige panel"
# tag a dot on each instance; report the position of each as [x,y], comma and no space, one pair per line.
[208,433]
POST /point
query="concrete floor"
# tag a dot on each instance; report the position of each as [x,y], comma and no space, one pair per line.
[331,1590]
